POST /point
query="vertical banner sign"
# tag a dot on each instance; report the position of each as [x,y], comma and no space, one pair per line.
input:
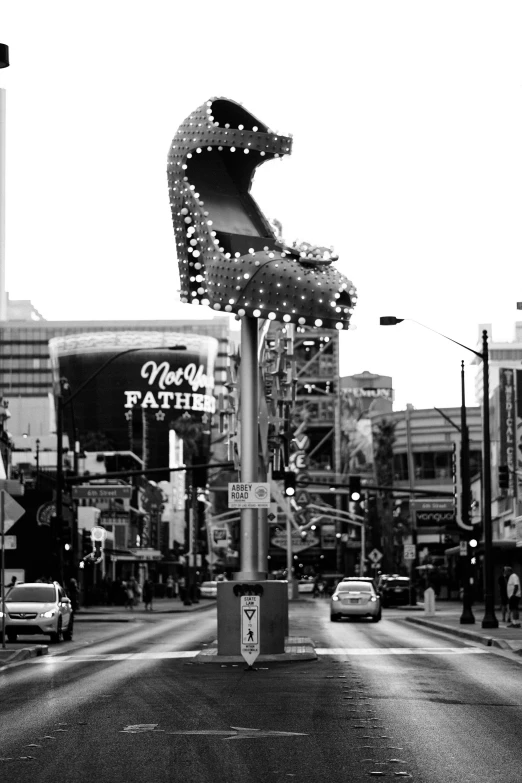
[518,450]
[507,425]
[250,642]
[457,483]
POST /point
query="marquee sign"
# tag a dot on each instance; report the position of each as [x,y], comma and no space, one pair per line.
[161,376]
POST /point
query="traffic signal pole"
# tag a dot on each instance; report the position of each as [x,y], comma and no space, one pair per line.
[59,478]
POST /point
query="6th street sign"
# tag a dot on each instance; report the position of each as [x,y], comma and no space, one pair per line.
[106,492]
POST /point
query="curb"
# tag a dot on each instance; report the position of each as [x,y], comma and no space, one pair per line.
[108,617]
[487,641]
[23,654]
[296,649]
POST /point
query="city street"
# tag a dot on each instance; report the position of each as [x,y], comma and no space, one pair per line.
[126,702]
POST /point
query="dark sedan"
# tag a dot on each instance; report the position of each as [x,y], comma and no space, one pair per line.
[395,590]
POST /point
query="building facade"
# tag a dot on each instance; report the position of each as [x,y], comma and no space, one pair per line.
[425,446]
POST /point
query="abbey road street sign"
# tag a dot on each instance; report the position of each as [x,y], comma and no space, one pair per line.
[12,510]
[250,641]
[249,494]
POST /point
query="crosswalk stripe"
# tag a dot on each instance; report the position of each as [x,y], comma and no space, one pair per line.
[173,654]
[399,651]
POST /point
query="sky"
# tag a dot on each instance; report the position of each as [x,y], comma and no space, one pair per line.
[407,158]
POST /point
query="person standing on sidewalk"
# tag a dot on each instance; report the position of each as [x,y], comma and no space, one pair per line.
[513,591]
[502,588]
[148,594]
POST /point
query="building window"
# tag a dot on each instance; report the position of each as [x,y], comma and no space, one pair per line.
[432,465]
[400,467]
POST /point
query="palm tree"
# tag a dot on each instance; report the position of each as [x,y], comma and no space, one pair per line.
[384,439]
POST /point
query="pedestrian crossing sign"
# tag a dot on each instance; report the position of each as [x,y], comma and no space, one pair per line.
[250,642]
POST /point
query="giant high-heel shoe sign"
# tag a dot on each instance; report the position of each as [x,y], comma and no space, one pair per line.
[229,257]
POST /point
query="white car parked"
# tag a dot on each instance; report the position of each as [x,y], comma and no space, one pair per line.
[38,608]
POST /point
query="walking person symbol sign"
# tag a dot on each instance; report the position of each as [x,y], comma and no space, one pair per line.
[250,643]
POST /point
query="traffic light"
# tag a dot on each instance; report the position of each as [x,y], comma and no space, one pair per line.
[503,476]
[87,547]
[354,488]
[290,479]
[61,532]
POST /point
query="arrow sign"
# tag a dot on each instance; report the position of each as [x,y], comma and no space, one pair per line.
[12,510]
[234,732]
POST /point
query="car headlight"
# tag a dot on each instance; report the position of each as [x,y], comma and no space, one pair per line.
[373,598]
[335,597]
[50,613]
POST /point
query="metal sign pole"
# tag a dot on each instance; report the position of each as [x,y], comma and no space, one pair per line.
[2,520]
[249,389]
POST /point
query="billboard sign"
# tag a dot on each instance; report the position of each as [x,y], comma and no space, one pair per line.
[137,386]
[518,439]
[507,452]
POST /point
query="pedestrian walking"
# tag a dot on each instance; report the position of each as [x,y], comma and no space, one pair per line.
[513,591]
[148,594]
[170,586]
[502,589]
[129,593]
[74,594]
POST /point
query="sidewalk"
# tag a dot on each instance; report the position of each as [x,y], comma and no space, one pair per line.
[447,618]
[119,614]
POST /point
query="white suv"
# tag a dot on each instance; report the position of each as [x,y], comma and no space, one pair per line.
[38,608]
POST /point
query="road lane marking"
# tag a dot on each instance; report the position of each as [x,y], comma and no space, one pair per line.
[92,657]
[400,651]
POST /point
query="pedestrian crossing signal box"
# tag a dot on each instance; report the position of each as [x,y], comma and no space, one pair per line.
[268,624]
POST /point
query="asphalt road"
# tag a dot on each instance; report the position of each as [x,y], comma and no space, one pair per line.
[382,700]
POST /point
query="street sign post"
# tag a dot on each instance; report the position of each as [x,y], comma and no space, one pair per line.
[252,494]
[250,641]
[10,512]
[302,497]
[375,556]
[9,542]
[409,551]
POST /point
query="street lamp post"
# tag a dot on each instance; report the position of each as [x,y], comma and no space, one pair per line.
[489,620]
[467,617]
